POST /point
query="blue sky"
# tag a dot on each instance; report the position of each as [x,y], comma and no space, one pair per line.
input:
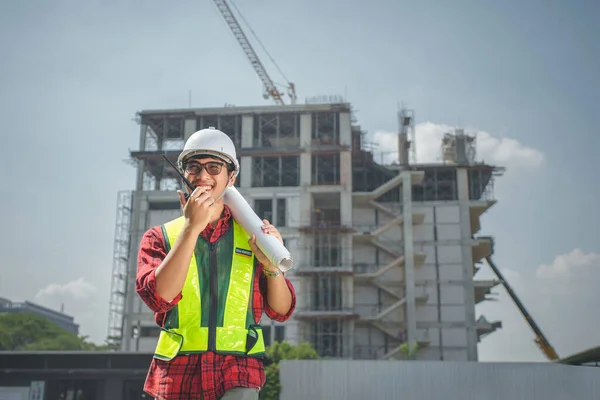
[523,74]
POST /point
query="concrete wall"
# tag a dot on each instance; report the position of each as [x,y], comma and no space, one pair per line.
[14,393]
[419,380]
[445,313]
[444,279]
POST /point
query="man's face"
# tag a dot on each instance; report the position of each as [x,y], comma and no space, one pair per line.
[210,172]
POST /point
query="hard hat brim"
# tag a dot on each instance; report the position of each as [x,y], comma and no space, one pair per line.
[205,153]
[185,156]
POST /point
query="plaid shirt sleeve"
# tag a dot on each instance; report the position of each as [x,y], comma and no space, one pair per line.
[262,284]
[151,254]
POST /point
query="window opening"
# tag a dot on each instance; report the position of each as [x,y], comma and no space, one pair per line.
[276,171]
[276,130]
[325,128]
[326,169]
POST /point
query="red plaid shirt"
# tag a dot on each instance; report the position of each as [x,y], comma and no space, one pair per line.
[207,375]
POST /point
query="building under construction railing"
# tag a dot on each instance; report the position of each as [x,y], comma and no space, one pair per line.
[385,255]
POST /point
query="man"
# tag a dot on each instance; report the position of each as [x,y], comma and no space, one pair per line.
[208,285]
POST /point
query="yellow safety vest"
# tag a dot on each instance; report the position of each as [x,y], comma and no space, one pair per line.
[215,311]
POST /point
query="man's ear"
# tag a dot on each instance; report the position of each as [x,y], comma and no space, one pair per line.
[232,178]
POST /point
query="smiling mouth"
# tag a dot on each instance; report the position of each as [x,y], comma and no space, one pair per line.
[207,187]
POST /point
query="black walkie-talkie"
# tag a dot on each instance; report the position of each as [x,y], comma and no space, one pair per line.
[192,188]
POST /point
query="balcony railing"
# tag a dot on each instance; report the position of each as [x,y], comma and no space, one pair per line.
[322,312]
[327,225]
[324,268]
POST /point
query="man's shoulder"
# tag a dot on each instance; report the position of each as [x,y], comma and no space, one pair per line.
[153,233]
[172,222]
[157,230]
[175,221]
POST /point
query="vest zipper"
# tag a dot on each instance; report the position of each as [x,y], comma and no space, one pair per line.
[212,316]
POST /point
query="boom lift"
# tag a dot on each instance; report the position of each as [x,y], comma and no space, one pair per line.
[270,88]
[540,338]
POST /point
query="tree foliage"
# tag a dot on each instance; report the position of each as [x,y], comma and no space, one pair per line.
[282,351]
[33,332]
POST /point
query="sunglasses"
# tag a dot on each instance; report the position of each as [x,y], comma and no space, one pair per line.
[212,167]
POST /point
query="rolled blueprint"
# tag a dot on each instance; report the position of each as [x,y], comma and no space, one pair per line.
[247,218]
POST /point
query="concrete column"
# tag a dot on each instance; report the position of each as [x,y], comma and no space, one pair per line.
[189,127]
[305,129]
[246,172]
[306,203]
[247,130]
[141,163]
[462,183]
[409,259]
[305,169]
[345,129]
[347,257]
[346,208]
[143,130]
[247,133]
[467,262]
[346,171]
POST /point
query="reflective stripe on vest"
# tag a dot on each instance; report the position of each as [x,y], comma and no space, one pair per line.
[238,334]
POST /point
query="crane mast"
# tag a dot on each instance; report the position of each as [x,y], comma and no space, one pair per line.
[269,87]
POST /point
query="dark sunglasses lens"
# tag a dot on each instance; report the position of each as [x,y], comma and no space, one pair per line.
[213,168]
[193,169]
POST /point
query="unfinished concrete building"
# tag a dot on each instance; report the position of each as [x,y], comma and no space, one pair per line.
[384,255]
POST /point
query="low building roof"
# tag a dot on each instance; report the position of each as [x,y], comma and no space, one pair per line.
[589,356]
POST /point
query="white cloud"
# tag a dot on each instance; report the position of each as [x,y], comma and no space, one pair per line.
[78,289]
[573,265]
[504,152]
[80,300]
[561,297]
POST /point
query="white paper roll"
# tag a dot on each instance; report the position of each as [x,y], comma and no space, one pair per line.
[247,218]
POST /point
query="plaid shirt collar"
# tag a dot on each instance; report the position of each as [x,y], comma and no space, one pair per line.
[211,233]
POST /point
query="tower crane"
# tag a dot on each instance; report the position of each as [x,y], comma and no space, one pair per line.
[270,90]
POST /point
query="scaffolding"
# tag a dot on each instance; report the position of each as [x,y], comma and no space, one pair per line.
[325,169]
[325,273]
[324,296]
[276,130]
[118,291]
[276,171]
[459,148]
[407,146]
[329,336]
[325,128]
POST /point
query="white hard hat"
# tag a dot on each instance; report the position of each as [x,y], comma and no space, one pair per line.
[210,142]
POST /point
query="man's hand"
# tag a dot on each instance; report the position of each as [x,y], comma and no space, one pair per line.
[260,256]
[279,295]
[199,209]
[171,274]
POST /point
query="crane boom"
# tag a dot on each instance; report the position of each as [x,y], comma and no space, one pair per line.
[270,88]
[540,338]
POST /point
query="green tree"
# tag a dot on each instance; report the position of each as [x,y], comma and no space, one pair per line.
[282,351]
[33,332]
